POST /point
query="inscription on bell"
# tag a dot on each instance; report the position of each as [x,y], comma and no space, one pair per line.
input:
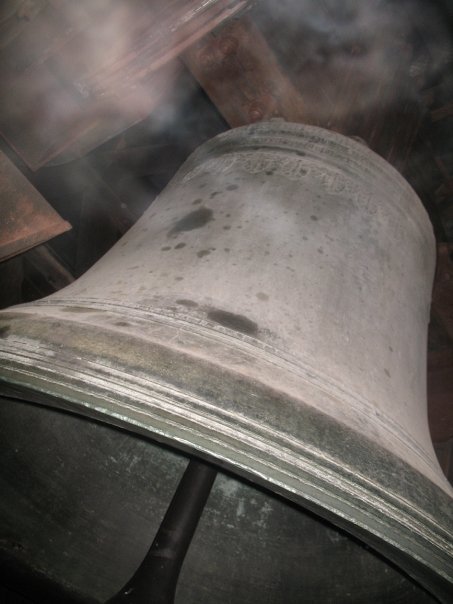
[295,168]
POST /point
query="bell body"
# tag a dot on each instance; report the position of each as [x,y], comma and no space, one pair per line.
[296,258]
[269,312]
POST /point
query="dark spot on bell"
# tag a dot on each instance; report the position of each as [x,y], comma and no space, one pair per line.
[165,248]
[179,246]
[179,278]
[231,187]
[226,249]
[195,202]
[262,296]
[391,349]
[122,324]
[188,303]
[313,217]
[227,215]
[214,193]
[269,172]
[320,250]
[203,253]
[233,321]
[300,153]
[227,227]
[305,238]
[194,220]
[4,331]
[387,372]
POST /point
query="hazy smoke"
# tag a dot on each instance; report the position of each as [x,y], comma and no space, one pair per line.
[86,69]
[110,57]
[387,49]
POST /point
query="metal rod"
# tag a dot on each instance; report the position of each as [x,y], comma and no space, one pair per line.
[155,580]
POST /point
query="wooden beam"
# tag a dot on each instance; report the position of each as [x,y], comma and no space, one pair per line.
[26,219]
[251,76]
[242,76]
[75,74]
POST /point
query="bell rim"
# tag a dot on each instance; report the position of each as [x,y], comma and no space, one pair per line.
[396,523]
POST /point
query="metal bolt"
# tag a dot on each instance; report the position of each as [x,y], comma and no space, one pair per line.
[228,45]
[256,112]
[206,58]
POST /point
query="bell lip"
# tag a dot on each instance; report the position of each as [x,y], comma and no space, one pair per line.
[367,491]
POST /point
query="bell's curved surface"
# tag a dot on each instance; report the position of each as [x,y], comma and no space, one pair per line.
[269,313]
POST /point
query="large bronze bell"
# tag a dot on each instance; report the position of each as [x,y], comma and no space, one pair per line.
[268,315]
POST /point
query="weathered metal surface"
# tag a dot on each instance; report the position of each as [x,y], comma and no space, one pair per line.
[26,219]
[75,75]
[269,312]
